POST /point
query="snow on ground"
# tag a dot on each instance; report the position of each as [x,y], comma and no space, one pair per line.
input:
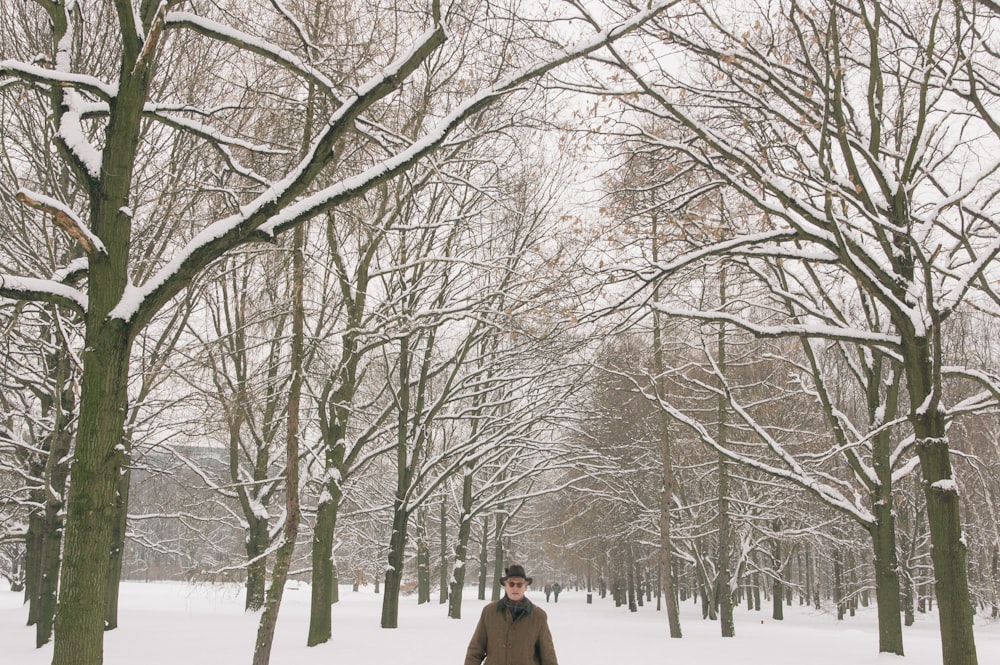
[178,624]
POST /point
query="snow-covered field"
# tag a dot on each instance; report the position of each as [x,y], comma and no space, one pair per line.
[176,624]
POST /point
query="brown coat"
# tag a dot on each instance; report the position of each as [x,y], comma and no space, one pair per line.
[502,641]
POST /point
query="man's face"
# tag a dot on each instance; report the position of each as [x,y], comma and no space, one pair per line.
[516,587]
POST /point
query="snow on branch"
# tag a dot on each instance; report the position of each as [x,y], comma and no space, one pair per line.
[790,330]
[276,209]
[250,43]
[58,79]
[828,494]
[64,218]
[42,290]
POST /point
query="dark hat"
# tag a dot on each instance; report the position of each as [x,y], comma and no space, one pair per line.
[514,571]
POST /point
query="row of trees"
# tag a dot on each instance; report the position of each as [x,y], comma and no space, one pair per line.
[166,138]
[295,241]
[824,173]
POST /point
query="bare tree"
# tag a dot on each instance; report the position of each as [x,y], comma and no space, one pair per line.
[103,106]
[847,143]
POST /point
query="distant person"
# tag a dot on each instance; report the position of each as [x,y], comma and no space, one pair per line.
[512,630]
[548,591]
[556,588]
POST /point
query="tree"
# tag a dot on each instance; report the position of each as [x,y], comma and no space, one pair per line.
[851,160]
[290,527]
[103,109]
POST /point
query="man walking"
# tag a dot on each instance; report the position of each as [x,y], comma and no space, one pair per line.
[513,630]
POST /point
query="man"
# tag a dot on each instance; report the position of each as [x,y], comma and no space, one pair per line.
[513,630]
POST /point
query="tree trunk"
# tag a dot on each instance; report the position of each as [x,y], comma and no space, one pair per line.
[498,552]
[98,462]
[400,511]
[723,581]
[323,582]
[948,549]
[630,581]
[118,543]
[324,572]
[667,470]
[707,603]
[800,573]
[995,581]
[283,556]
[908,616]
[484,556]
[423,559]
[809,575]
[462,548]
[49,569]
[33,546]
[423,567]
[443,568]
[838,584]
[394,570]
[17,574]
[43,542]
[97,466]
[257,543]
[852,579]
[777,593]
[56,475]
[948,553]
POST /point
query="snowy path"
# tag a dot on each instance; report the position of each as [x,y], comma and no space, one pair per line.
[174,624]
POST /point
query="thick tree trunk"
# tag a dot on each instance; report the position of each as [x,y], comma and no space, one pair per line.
[949,554]
[887,591]
[394,570]
[323,578]
[97,465]
[948,549]
[33,545]
[99,459]
[258,540]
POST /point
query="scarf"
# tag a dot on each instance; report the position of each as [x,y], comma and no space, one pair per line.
[517,609]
